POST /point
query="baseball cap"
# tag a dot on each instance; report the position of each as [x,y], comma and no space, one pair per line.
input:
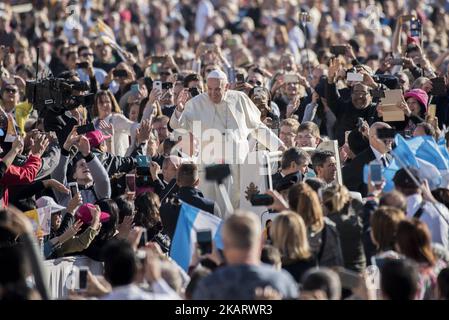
[45,201]
[96,138]
[84,215]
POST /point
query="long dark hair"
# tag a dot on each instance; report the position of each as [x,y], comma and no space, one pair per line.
[108,228]
[147,210]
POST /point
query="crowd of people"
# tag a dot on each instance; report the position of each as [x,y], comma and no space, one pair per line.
[113,162]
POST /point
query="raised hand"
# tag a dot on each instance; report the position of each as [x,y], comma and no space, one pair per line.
[144,131]
[125,227]
[40,144]
[334,66]
[71,140]
[84,146]
[107,128]
[17,145]
[74,203]
[56,185]
[183,97]
[71,232]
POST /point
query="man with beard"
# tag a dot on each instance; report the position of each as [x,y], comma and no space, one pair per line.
[348,112]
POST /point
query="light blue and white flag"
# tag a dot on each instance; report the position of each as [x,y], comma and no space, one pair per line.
[190,221]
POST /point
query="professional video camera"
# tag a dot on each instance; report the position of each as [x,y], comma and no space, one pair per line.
[56,96]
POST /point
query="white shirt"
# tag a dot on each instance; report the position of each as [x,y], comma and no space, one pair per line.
[161,291]
[123,129]
[223,129]
[204,12]
[430,216]
[377,154]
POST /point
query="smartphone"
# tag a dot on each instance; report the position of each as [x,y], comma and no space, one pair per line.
[85,128]
[386,133]
[157,59]
[167,85]
[415,28]
[82,278]
[397,61]
[135,88]
[432,111]
[291,78]
[194,91]
[73,186]
[82,65]
[204,239]
[438,86]
[261,200]
[240,77]
[143,238]
[375,170]
[157,85]
[349,279]
[131,182]
[354,77]
[142,161]
[408,17]
[120,73]
[337,50]
[258,91]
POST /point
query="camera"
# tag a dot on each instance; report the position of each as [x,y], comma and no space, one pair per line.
[56,95]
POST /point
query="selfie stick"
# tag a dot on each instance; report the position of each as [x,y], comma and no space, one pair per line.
[402,164]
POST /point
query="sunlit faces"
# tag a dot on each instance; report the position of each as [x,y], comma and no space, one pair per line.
[287,136]
[169,171]
[327,172]
[216,89]
[82,172]
[414,106]
[305,138]
[104,106]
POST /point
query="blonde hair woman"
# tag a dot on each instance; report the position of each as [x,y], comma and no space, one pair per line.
[339,208]
[289,236]
[322,233]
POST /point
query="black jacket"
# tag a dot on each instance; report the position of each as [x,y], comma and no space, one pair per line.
[115,164]
[353,172]
[350,228]
[346,114]
[170,210]
[282,183]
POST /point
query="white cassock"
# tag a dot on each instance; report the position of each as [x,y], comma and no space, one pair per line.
[223,131]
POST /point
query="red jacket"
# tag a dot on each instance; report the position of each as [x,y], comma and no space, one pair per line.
[19,175]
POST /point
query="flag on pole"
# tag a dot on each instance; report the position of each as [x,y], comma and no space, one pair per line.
[190,221]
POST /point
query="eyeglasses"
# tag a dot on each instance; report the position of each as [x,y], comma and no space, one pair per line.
[10,90]
[87,54]
[165,74]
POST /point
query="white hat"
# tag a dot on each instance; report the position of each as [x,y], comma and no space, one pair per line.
[217,74]
[45,201]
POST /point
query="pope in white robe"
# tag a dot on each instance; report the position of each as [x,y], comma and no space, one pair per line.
[222,121]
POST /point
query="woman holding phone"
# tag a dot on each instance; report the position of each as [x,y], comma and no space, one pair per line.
[115,123]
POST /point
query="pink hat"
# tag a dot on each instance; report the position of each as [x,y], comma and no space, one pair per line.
[419,95]
[96,138]
[84,214]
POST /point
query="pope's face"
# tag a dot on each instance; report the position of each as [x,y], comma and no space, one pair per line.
[216,89]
